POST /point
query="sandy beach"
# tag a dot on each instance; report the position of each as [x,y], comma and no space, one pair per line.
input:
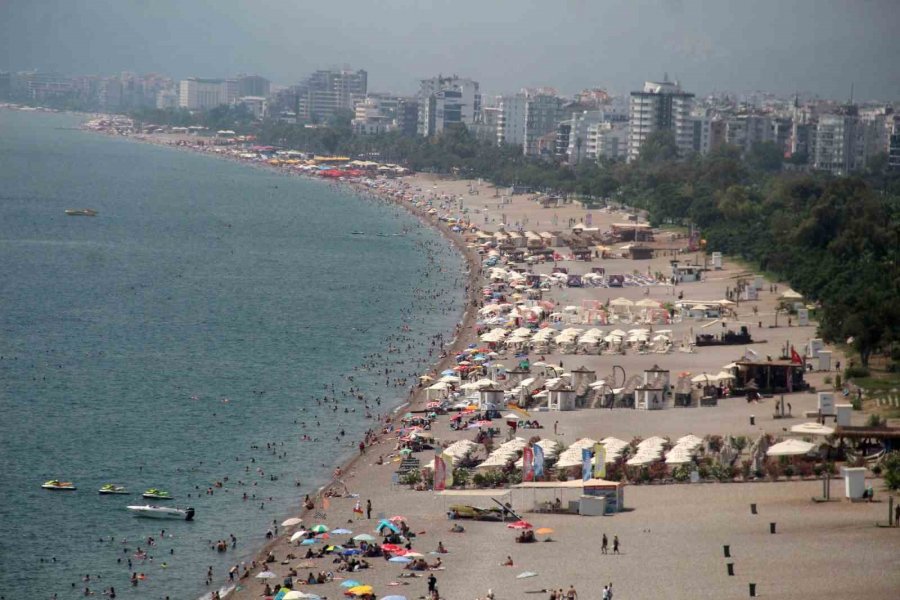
[672,535]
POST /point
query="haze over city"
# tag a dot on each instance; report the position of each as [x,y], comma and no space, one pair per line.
[814,47]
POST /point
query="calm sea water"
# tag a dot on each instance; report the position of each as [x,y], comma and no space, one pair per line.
[155,345]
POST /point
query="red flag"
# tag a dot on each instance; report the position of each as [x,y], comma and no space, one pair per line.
[796,358]
[527,464]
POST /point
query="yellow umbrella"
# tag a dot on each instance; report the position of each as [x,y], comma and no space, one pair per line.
[543,531]
[361,590]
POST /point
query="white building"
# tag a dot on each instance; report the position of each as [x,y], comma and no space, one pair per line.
[445,101]
[373,116]
[202,94]
[607,140]
[257,105]
[840,144]
[660,107]
[511,120]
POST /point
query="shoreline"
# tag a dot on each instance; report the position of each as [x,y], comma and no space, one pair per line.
[463,336]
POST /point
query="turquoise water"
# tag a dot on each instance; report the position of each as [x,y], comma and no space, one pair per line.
[166,341]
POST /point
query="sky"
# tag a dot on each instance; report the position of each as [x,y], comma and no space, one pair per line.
[783,46]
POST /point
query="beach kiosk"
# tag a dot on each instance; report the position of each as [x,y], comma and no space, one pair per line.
[538,492]
[560,396]
[582,376]
[490,397]
[649,397]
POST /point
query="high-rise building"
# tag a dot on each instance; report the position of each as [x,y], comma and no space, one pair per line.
[894,151]
[511,120]
[252,85]
[407,116]
[195,93]
[840,143]
[660,107]
[745,131]
[541,118]
[327,91]
[446,101]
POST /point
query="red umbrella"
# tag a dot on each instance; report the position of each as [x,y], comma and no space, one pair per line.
[396,519]
[394,549]
[520,525]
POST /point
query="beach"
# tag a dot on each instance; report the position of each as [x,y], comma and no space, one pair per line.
[673,535]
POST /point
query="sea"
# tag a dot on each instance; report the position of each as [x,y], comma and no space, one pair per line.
[184,337]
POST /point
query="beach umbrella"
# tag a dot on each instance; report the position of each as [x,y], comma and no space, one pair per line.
[812,429]
[361,590]
[319,528]
[543,531]
[397,519]
[298,535]
[291,522]
[394,598]
[341,531]
[414,555]
[400,559]
[393,548]
[526,575]
[790,448]
[307,542]
[520,525]
[350,552]
[350,583]
[266,575]
[364,537]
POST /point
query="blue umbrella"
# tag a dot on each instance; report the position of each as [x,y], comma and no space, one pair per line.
[350,552]
[341,531]
[307,542]
[400,559]
[350,583]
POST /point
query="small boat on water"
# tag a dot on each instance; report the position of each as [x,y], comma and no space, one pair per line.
[81,212]
[357,233]
[162,512]
[56,484]
[111,488]
[156,494]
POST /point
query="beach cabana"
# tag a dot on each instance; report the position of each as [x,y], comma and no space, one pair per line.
[612,491]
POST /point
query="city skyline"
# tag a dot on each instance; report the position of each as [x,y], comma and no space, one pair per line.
[820,48]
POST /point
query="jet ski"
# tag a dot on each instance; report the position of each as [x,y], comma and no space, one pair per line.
[56,484]
[111,488]
[156,494]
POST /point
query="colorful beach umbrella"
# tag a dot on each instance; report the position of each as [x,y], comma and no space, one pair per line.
[361,590]
[308,542]
[544,531]
[319,528]
[520,525]
[364,537]
[350,583]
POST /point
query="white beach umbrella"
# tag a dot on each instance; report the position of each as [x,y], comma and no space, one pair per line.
[291,522]
[791,448]
[621,302]
[266,575]
[812,429]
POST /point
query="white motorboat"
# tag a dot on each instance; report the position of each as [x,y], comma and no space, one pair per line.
[81,212]
[162,512]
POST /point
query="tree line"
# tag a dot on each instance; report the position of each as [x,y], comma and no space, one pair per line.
[835,239]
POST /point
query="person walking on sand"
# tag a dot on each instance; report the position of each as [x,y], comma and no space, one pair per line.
[571,594]
[615,544]
[432,586]
[368,509]
[604,545]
